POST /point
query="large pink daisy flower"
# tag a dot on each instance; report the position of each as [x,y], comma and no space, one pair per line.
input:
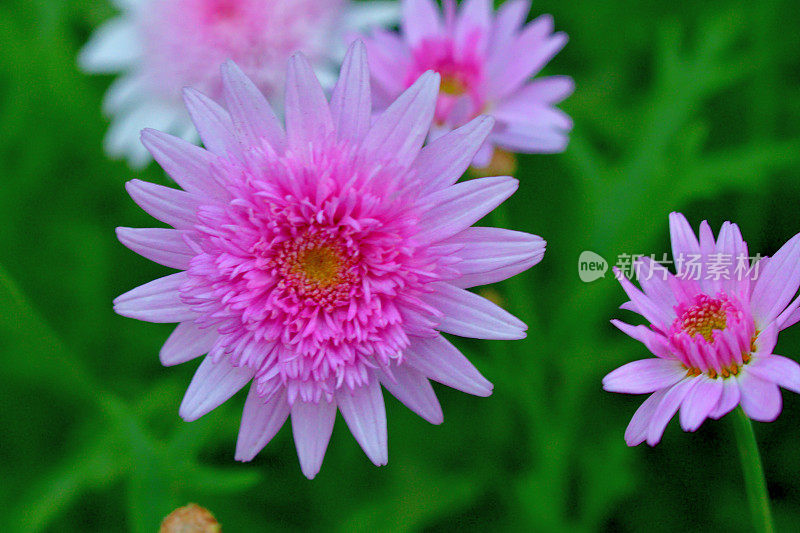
[713,328]
[323,262]
[486,62]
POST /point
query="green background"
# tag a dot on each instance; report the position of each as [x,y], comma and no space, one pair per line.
[689,106]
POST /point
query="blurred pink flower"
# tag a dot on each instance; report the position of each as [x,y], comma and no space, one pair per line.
[713,334]
[486,61]
[162,46]
[323,262]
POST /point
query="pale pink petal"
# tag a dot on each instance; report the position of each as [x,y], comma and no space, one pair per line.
[308,116]
[700,402]
[728,400]
[398,132]
[654,279]
[187,342]
[655,342]
[777,283]
[440,361]
[442,162]
[211,386]
[421,19]
[528,138]
[666,408]
[684,242]
[468,315]
[730,243]
[171,206]
[164,246]
[213,123]
[509,19]
[791,318]
[253,118]
[261,421]
[777,369]
[645,306]
[365,414]
[549,90]
[474,23]
[761,399]
[456,208]
[156,301]
[187,164]
[644,376]
[414,390]
[351,102]
[490,255]
[312,425]
[636,433]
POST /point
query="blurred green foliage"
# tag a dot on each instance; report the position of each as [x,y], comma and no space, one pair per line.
[690,106]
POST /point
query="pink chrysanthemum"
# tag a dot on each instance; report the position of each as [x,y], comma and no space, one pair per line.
[162,46]
[323,262]
[485,61]
[713,328]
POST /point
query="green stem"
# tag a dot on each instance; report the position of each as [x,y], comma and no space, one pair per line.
[754,481]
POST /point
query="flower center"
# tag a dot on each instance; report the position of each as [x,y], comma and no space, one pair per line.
[452,85]
[706,315]
[317,267]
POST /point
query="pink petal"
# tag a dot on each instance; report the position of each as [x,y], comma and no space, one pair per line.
[440,361]
[761,399]
[655,342]
[456,208]
[490,255]
[527,138]
[654,279]
[509,19]
[728,400]
[420,20]
[644,376]
[213,123]
[365,414]
[156,301]
[187,164]
[186,342]
[211,386]
[474,23]
[700,402]
[164,246]
[253,118]
[414,390]
[777,283]
[171,206]
[443,161]
[684,242]
[308,116]
[645,306]
[261,421]
[351,102]
[468,315]
[636,433]
[398,132]
[666,408]
[549,90]
[777,369]
[312,425]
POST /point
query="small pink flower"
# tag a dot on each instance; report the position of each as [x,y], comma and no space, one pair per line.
[485,61]
[712,330]
[323,262]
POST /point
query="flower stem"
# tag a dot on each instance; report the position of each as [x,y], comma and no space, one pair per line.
[754,481]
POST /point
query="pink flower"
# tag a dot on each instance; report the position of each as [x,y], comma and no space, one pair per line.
[162,46]
[712,331]
[485,61]
[323,262]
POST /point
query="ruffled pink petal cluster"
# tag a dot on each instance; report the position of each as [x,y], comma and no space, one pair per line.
[486,60]
[323,261]
[713,332]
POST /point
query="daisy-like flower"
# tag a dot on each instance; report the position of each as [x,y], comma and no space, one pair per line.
[713,328]
[162,46]
[324,262]
[486,61]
